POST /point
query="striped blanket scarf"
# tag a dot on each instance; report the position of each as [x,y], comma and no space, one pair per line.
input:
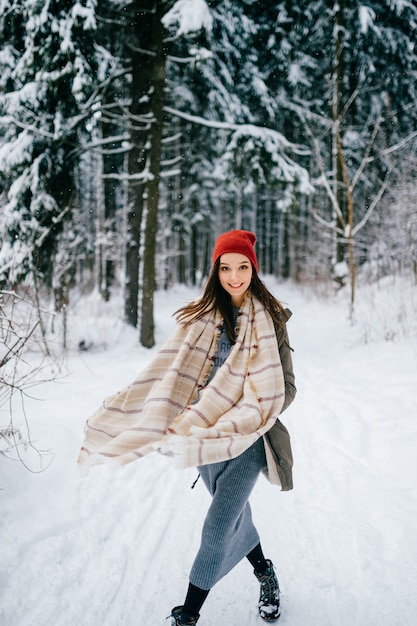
[170,408]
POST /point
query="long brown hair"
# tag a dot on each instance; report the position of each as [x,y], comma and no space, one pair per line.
[215,298]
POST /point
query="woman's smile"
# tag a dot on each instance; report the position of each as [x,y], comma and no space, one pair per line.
[235,275]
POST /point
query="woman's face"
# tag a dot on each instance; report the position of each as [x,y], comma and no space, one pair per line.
[235,275]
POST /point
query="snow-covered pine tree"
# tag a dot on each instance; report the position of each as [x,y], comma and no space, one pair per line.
[234,125]
[47,68]
[343,76]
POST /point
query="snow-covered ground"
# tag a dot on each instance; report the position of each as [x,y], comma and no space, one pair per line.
[114,547]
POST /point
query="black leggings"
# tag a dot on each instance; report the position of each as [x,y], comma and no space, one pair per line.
[196,597]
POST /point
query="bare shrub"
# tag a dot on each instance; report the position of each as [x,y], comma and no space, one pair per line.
[25,361]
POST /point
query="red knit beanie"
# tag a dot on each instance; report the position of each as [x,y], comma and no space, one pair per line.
[241,241]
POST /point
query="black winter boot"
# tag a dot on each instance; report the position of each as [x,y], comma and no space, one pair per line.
[182,619]
[269,608]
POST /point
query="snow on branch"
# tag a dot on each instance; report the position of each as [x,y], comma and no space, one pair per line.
[141,177]
[187,17]
[260,150]
[247,129]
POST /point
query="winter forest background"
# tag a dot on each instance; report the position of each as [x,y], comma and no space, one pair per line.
[133,133]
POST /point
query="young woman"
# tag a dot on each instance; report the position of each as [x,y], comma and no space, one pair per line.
[211,398]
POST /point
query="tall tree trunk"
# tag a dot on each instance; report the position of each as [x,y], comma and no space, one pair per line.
[194,255]
[348,224]
[337,113]
[157,98]
[296,273]
[141,59]
[286,263]
[108,210]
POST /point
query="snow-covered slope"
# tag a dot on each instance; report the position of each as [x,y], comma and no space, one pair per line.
[113,548]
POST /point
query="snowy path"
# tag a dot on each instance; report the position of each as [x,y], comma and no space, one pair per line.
[114,548]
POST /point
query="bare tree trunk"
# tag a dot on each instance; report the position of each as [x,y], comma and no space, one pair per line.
[348,224]
[100,221]
[296,270]
[337,114]
[108,189]
[194,255]
[286,263]
[152,197]
[142,61]
[239,207]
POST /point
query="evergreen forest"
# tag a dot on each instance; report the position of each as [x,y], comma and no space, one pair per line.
[132,133]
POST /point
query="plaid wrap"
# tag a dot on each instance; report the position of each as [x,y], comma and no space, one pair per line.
[156,412]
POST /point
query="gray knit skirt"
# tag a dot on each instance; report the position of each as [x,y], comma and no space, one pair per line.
[228,532]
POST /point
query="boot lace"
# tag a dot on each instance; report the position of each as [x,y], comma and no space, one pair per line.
[269,599]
